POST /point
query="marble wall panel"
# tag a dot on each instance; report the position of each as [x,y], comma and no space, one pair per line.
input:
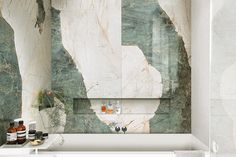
[10,79]
[223,89]
[134,50]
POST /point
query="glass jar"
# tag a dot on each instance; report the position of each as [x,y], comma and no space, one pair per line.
[45,135]
[39,135]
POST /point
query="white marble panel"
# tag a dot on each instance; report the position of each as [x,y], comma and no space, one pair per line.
[33,51]
[91,33]
[139,79]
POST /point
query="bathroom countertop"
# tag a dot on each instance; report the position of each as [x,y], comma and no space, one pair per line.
[28,148]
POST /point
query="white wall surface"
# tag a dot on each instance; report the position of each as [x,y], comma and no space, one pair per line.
[200,69]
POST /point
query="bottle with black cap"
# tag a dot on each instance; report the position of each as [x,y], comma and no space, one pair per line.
[32,131]
[21,133]
[11,134]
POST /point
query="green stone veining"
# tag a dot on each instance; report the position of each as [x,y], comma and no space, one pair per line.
[67,83]
[10,79]
[146,25]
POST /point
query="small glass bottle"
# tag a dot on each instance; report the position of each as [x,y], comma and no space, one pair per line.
[32,131]
[21,133]
[103,108]
[11,134]
[109,108]
[118,107]
[31,135]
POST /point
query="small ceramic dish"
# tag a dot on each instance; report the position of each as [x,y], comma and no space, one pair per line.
[36,142]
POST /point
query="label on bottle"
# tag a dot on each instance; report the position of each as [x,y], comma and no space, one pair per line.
[31,136]
[21,134]
[118,110]
[11,137]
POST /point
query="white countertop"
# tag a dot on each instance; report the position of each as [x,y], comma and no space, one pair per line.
[28,148]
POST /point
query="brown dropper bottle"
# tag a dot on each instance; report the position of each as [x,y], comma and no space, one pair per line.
[21,132]
[11,134]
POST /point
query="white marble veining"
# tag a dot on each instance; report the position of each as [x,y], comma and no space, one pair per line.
[179,12]
[139,78]
[33,51]
[91,33]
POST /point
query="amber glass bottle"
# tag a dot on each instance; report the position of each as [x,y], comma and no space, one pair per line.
[21,133]
[11,134]
[103,108]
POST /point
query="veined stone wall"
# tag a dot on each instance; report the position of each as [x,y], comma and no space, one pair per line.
[134,50]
